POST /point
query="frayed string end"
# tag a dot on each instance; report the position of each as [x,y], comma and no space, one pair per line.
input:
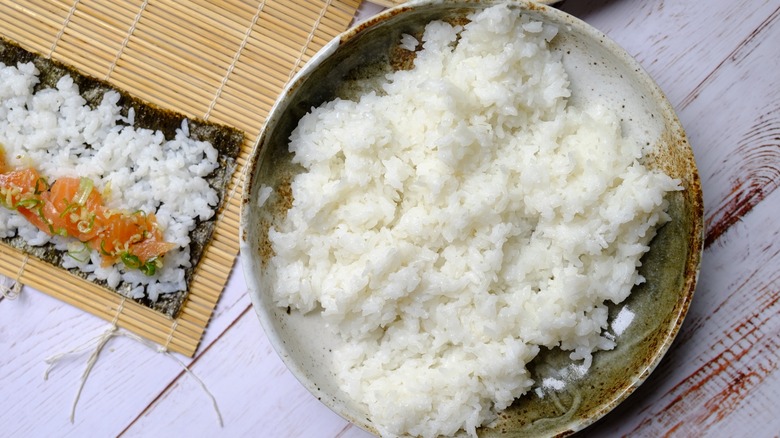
[97,344]
[13,291]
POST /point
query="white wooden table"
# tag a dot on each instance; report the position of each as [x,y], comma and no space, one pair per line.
[719,63]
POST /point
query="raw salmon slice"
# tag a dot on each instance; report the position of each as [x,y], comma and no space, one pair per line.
[73,207]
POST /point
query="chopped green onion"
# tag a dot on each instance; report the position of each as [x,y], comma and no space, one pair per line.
[86,225]
[68,208]
[29,203]
[103,247]
[78,251]
[41,185]
[150,267]
[45,220]
[85,188]
[130,260]
[107,189]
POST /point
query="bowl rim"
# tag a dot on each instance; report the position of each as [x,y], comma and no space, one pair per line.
[695,244]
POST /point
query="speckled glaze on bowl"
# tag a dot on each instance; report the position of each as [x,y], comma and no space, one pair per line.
[598,68]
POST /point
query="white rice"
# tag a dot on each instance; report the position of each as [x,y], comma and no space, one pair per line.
[458,220]
[58,133]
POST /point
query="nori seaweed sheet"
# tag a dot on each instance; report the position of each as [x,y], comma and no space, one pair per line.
[227,140]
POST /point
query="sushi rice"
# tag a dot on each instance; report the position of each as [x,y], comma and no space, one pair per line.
[57,132]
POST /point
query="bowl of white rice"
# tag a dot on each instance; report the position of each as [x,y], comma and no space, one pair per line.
[472,218]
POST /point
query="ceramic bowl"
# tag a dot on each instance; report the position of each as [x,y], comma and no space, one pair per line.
[598,68]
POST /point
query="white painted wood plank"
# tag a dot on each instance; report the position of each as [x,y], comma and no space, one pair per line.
[733,123]
[678,42]
[366,10]
[256,393]
[126,379]
[43,327]
[31,318]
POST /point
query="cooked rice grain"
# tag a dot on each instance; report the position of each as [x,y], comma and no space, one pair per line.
[458,219]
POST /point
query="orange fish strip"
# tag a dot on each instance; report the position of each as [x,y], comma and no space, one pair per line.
[73,207]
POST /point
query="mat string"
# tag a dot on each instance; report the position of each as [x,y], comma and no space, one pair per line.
[12,292]
[236,57]
[62,29]
[305,47]
[101,341]
[242,176]
[129,34]
[243,173]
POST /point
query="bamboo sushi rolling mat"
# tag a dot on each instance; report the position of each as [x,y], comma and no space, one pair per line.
[223,61]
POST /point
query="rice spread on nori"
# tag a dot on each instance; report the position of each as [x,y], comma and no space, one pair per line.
[140,156]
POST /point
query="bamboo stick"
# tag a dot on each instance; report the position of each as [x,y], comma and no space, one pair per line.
[387,3]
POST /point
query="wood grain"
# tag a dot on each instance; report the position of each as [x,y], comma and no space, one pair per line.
[680,43]
[743,164]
